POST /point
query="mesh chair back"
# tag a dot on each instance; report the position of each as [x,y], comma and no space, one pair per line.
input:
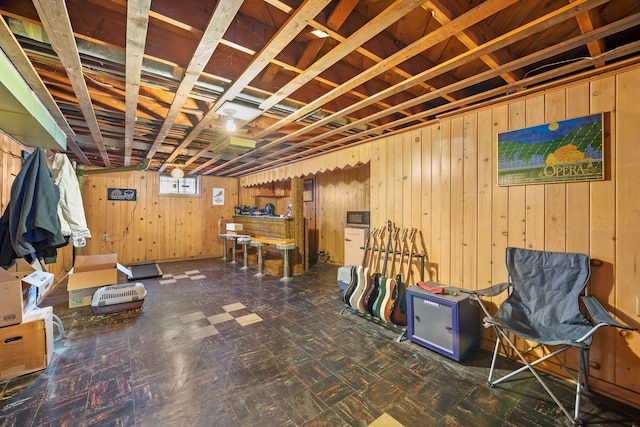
[546,289]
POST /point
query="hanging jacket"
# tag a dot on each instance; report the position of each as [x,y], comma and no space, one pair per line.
[32,213]
[70,208]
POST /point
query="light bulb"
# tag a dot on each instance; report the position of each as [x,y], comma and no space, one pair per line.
[177,173]
[230,126]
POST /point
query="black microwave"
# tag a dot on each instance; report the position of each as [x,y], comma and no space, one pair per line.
[357,218]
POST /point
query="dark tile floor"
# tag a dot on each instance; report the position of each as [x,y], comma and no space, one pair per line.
[214,345]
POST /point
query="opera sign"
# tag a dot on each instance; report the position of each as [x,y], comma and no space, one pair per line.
[565,151]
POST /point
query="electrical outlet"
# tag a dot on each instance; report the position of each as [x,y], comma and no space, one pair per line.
[105,237]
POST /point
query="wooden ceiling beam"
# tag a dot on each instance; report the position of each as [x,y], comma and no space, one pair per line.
[480,12]
[588,21]
[137,24]
[338,15]
[296,23]
[470,37]
[394,12]
[221,18]
[55,20]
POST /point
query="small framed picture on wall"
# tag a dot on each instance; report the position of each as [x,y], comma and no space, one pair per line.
[218,197]
[307,190]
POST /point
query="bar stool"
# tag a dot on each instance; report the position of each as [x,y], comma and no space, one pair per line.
[244,241]
[224,246]
[285,247]
[259,245]
[233,246]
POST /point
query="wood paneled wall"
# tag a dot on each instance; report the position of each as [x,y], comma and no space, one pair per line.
[336,193]
[155,227]
[442,180]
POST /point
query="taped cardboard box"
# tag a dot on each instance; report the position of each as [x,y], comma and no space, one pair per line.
[28,346]
[89,273]
[15,289]
[10,299]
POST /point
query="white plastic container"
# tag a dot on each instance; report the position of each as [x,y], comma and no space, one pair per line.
[116,298]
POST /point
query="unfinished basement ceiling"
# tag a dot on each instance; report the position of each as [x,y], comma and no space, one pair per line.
[129,81]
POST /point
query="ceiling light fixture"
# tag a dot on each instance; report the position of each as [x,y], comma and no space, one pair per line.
[230,124]
[320,34]
[177,173]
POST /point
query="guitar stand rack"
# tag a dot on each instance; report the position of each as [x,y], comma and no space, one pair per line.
[368,316]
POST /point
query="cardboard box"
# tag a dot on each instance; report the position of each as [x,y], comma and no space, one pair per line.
[19,278]
[21,268]
[28,346]
[233,226]
[34,287]
[89,273]
[10,299]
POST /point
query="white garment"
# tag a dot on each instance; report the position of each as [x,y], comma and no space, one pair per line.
[70,209]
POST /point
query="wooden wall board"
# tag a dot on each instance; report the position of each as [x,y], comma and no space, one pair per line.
[555,194]
[445,203]
[577,100]
[602,231]
[457,202]
[424,240]
[484,162]
[627,276]
[470,202]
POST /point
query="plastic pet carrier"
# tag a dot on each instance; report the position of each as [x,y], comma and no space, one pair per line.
[116,298]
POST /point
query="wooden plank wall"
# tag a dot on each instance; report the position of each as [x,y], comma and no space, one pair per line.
[155,227]
[451,195]
[336,193]
[10,165]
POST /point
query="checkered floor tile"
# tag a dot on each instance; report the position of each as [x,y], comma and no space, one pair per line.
[191,274]
[209,330]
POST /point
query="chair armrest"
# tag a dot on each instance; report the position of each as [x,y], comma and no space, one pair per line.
[599,315]
[488,292]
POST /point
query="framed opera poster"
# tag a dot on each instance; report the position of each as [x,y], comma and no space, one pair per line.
[564,151]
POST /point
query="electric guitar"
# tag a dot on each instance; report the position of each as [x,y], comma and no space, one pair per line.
[382,280]
[391,288]
[372,292]
[399,309]
[353,281]
[361,274]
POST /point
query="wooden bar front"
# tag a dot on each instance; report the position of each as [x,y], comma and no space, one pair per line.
[275,228]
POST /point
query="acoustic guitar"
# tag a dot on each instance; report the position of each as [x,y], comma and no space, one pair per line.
[399,309]
[382,280]
[372,292]
[361,273]
[392,283]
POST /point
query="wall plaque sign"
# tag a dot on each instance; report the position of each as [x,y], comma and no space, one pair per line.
[128,194]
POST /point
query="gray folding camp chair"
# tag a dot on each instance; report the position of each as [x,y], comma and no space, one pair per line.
[542,306]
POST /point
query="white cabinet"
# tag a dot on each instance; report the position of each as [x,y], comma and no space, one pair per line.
[354,240]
